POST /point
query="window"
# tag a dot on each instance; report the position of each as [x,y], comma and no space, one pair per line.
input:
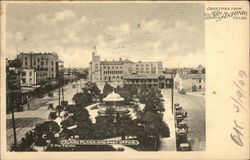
[24,80]
[23,73]
[199,80]
[38,60]
[42,63]
[34,63]
[52,69]
[26,63]
[52,63]
[104,67]
[30,80]
[30,73]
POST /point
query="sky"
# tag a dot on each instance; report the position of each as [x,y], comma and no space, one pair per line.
[171,33]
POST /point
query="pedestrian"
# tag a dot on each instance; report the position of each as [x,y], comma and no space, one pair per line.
[28,106]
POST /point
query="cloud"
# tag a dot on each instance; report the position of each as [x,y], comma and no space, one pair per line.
[57,17]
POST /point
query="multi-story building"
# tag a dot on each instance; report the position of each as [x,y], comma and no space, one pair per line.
[40,61]
[115,70]
[190,82]
[28,77]
[148,67]
[151,80]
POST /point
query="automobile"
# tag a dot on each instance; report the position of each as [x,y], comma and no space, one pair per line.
[184,147]
[184,113]
[181,132]
[178,108]
[179,118]
[182,125]
[176,104]
[178,113]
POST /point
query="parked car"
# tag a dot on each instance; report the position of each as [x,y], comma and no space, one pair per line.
[182,125]
[179,118]
[184,147]
[184,113]
[179,112]
[176,104]
[181,132]
[178,107]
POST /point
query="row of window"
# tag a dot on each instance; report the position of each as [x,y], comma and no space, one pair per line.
[142,80]
[112,72]
[43,74]
[42,63]
[109,78]
[113,67]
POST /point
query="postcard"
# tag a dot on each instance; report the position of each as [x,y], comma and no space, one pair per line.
[124,80]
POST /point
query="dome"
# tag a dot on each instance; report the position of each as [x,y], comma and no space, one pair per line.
[113,97]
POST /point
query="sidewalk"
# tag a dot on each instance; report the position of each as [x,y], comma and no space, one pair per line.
[168,144]
[198,94]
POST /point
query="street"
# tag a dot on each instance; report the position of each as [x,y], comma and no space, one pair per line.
[38,112]
[196,109]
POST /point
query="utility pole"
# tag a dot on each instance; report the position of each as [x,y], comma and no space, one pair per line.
[172,92]
[13,118]
[62,74]
[59,90]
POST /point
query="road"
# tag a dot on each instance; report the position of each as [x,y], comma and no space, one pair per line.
[38,113]
[196,109]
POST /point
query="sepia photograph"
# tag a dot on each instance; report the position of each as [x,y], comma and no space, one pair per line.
[105,77]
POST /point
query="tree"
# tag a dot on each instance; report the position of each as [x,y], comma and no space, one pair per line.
[94,90]
[83,99]
[104,128]
[107,89]
[153,100]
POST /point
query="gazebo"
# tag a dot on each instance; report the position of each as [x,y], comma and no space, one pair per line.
[113,100]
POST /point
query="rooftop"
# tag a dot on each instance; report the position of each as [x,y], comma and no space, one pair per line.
[146,76]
